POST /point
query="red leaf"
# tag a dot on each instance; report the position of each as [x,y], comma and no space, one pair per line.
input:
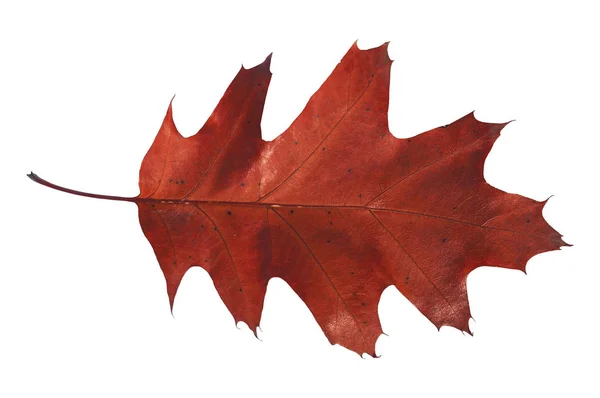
[336,206]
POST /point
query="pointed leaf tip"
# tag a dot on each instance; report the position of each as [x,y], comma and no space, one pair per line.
[386,52]
[264,66]
[381,51]
[267,60]
[170,108]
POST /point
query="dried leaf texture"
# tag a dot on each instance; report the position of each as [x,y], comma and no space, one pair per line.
[336,205]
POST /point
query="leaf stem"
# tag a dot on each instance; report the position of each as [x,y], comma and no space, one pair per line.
[36,178]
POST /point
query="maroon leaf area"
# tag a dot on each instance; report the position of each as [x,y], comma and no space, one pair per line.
[336,205]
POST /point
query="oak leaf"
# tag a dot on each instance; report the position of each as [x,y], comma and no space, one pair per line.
[336,206]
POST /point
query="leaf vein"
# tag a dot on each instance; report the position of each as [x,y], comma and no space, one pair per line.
[425,167]
[324,273]
[412,259]
[227,249]
[320,143]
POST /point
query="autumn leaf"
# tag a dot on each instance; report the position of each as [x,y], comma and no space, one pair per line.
[336,205]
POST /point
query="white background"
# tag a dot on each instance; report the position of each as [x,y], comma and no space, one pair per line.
[83,306]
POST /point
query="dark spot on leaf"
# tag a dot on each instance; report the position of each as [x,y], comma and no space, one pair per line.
[202,226]
[360,195]
[328,241]
[363,304]
[291,211]
[364,322]
[317,117]
[215,228]
[240,289]
[153,206]
[248,121]
[372,74]
[323,148]
[368,109]
[330,222]
[182,181]
[295,142]
[243,184]
[444,126]
[409,140]
[174,262]
[170,180]
[528,221]
[189,257]
[328,211]
[349,170]
[259,84]
[177,182]
[352,273]
[444,240]
[228,213]
[205,260]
